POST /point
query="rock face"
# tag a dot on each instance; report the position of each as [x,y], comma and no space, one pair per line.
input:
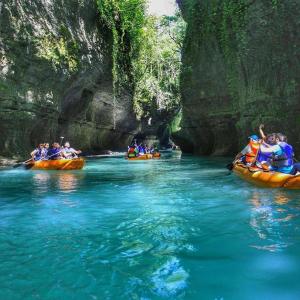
[240,68]
[56,78]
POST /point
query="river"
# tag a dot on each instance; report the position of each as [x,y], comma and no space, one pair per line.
[175,228]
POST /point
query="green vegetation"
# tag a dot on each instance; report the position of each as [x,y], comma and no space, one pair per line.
[126,20]
[146,54]
[158,66]
[60,51]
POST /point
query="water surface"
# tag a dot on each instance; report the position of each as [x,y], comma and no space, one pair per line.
[165,229]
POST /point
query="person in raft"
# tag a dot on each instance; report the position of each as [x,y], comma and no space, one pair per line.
[282,156]
[132,151]
[249,153]
[55,152]
[263,159]
[69,152]
[45,151]
[37,153]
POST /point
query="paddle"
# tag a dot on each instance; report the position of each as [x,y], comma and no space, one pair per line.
[230,166]
[22,163]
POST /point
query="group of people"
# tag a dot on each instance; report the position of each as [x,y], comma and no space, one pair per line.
[135,150]
[45,152]
[269,152]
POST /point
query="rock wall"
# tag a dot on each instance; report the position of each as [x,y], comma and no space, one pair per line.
[56,78]
[240,68]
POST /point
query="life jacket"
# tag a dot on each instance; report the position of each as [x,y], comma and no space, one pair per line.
[70,152]
[251,155]
[142,150]
[54,153]
[44,154]
[38,154]
[131,150]
[286,159]
[264,157]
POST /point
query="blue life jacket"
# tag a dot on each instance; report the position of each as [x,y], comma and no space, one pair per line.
[142,150]
[54,153]
[38,154]
[264,156]
[286,158]
[44,154]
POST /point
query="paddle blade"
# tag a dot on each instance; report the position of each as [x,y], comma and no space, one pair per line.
[17,165]
[230,166]
[28,166]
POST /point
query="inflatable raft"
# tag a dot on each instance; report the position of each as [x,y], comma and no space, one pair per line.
[267,178]
[145,157]
[59,164]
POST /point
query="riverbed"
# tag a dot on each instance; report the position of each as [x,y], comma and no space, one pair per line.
[174,228]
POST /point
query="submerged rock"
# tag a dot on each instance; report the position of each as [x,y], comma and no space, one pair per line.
[56,78]
[240,68]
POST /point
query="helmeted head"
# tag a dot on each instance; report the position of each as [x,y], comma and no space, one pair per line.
[253,138]
[67,144]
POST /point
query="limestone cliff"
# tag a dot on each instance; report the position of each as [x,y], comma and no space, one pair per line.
[240,68]
[56,78]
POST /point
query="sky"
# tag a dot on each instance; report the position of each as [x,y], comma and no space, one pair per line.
[162,7]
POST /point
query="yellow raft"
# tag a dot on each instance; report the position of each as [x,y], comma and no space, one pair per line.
[267,178]
[145,157]
[59,164]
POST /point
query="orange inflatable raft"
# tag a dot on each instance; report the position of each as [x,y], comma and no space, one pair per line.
[267,178]
[59,164]
[145,157]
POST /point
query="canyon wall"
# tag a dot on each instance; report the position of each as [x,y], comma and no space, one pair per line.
[240,68]
[56,78]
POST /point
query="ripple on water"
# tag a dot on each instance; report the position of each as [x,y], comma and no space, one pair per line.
[170,279]
[163,229]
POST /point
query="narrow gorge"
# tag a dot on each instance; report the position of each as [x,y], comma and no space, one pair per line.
[94,73]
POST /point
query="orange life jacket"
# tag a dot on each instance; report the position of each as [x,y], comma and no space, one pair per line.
[251,155]
[131,150]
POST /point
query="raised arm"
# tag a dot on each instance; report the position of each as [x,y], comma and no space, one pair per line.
[262,134]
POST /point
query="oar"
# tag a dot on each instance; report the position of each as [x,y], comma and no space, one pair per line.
[230,166]
[22,163]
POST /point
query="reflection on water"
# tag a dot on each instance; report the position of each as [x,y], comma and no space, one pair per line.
[268,214]
[41,182]
[66,182]
[282,198]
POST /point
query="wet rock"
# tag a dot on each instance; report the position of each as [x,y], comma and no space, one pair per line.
[7,162]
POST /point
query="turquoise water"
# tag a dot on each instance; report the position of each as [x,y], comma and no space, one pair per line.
[166,229]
